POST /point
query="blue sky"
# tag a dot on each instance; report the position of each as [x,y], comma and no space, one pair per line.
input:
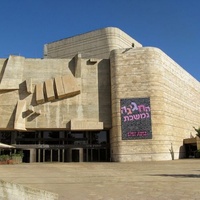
[171,25]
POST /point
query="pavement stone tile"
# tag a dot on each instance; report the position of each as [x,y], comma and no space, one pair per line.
[159,180]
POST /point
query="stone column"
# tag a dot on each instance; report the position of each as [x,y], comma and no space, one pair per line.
[32,155]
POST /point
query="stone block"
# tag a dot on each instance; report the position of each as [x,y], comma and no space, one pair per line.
[49,86]
[78,65]
[17,192]
[70,85]
[59,87]
[19,119]
[29,85]
[40,93]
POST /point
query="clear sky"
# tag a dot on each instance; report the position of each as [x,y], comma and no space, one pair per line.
[171,25]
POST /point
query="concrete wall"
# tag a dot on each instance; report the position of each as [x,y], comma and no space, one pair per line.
[55,93]
[97,44]
[174,96]
[12,191]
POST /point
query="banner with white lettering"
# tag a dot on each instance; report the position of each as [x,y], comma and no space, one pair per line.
[136,118]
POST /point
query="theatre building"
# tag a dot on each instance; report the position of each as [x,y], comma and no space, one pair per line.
[98,96]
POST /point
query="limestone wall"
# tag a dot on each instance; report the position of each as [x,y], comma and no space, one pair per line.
[174,97]
[50,93]
[12,191]
[96,44]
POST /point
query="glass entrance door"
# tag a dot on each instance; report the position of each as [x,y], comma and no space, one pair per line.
[96,155]
[49,155]
[75,155]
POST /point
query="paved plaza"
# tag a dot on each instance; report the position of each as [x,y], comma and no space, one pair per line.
[160,180]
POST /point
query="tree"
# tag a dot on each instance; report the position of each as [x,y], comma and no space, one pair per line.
[198,131]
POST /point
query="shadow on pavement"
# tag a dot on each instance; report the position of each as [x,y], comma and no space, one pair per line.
[179,175]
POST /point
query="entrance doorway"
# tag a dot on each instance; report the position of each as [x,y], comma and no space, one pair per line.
[96,154]
[61,145]
[48,155]
[76,155]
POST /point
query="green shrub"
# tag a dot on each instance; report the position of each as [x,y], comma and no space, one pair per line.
[17,157]
[4,157]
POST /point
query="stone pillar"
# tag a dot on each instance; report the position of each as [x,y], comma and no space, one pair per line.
[198,142]
[32,155]
[81,155]
[63,155]
[80,150]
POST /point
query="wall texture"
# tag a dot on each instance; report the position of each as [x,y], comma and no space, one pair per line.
[54,93]
[97,44]
[174,97]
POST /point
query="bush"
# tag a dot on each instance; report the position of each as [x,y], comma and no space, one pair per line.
[13,158]
[17,157]
[4,157]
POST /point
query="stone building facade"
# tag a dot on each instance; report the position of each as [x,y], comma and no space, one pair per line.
[98,96]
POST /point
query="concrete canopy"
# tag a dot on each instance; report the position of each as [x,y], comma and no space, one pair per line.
[5,146]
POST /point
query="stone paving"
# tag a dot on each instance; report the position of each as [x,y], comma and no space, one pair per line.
[160,180]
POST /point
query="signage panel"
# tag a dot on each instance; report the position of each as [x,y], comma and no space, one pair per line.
[136,118]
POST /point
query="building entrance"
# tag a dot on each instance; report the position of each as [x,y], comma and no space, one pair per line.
[76,155]
[72,155]
[60,146]
[48,155]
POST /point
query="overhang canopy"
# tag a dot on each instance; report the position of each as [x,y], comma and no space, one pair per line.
[5,146]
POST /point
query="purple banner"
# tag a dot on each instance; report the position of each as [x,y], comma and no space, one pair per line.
[136,118]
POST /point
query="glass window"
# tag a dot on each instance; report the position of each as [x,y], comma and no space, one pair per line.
[50,134]
[103,137]
[100,137]
[5,137]
[31,135]
[27,138]
[77,135]
[77,138]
